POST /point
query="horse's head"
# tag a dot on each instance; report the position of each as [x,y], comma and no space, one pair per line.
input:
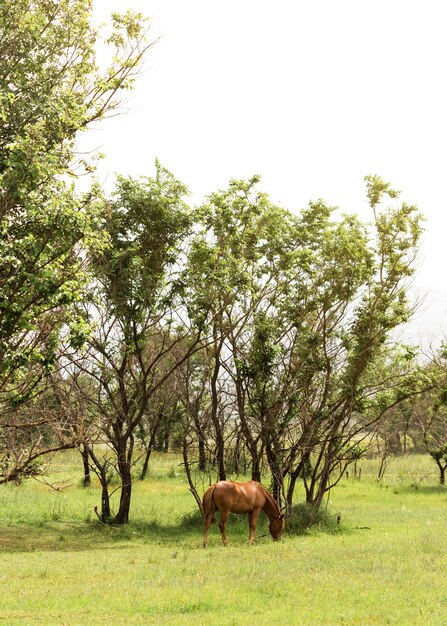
[276,527]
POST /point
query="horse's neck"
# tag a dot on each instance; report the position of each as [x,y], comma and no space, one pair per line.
[270,508]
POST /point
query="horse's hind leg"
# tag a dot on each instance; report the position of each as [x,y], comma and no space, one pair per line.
[252,521]
[208,521]
[222,523]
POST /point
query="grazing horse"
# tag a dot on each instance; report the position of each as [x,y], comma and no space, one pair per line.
[250,497]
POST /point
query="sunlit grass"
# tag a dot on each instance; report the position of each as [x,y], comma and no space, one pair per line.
[386,565]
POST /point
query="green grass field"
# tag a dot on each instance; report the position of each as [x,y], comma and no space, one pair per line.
[386,563]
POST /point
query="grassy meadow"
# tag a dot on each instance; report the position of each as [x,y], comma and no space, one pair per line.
[384,564]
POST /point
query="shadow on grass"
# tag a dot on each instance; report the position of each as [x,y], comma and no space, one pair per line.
[52,536]
[190,529]
[49,536]
[42,535]
[66,536]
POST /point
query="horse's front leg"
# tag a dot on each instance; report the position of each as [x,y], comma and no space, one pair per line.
[222,523]
[252,521]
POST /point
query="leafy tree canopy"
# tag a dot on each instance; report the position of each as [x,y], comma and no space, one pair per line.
[50,90]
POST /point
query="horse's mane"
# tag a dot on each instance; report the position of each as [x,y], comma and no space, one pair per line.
[273,505]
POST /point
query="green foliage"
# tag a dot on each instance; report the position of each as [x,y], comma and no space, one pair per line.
[302,309]
[264,350]
[376,188]
[50,90]
[305,518]
[242,239]
[147,224]
[299,308]
[439,454]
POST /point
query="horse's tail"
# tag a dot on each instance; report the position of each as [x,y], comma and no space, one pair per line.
[209,505]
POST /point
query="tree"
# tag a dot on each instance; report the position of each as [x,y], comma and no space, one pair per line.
[192,382]
[235,262]
[435,440]
[429,412]
[140,335]
[319,315]
[301,311]
[50,90]
[33,432]
[348,298]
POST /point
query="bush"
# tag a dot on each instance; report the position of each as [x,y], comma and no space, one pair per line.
[305,518]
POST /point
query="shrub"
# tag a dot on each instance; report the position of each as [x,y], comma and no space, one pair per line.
[305,518]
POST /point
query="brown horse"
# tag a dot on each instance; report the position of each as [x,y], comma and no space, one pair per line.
[229,497]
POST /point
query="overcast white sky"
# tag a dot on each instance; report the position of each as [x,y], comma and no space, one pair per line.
[311,94]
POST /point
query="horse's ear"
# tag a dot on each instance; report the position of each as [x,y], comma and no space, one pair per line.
[281,516]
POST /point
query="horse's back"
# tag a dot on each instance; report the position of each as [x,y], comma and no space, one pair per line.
[238,497]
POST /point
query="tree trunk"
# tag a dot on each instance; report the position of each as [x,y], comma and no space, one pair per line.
[101,472]
[150,447]
[442,469]
[314,498]
[319,487]
[276,489]
[250,442]
[105,500]
[237,453]
[202,452]
[383,464]
[194,409]
[146,463]
[122,517]
[291,489]
[124,467]
[220,442]
[310,482]
[255,466]
[191,484]
[220,459]
[276,472]
[85,462]
[165,445]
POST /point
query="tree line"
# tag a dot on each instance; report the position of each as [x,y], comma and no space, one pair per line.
[259,338]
